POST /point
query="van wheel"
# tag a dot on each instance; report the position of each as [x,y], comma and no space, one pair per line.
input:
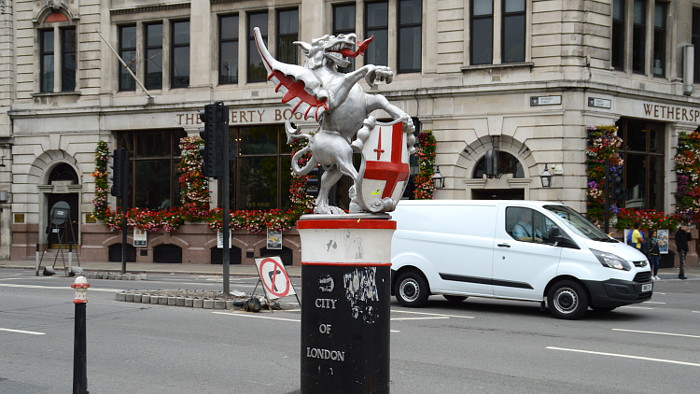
[454,299]
[412,289]
[567,300]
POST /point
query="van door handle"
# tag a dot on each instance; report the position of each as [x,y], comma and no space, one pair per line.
[503,245]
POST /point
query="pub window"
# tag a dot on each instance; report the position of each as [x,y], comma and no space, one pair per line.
[639,32]
[154,155]
[659,56]
[344,23]
[228,49]
[180,55]
[618,34]
[154,55]
[696,43]
[409,36]
[481,33]
[58,50]
[260,175]
[287,33]
[642,152]
[513,38]
[377,25]
[256,68]
[127,51]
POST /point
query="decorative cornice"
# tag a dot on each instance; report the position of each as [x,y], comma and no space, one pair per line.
[150,8]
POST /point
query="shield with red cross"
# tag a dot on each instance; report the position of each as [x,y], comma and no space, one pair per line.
[384,171]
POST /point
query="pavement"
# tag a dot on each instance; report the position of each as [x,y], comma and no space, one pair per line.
[293,271]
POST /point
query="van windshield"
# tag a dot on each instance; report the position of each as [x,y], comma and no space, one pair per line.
[578,223]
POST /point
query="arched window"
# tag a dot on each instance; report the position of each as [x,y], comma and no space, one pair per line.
[63,172]
[58,53]
[505,163]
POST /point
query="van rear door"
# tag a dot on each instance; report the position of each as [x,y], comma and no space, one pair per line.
[523,259]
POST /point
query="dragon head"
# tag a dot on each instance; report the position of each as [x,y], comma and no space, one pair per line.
[336,49]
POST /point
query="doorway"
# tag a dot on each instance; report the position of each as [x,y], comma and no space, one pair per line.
[498,194]
[64,235]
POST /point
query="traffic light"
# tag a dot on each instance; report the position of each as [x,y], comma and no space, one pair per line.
[313,181]
[211,134]
[120,173]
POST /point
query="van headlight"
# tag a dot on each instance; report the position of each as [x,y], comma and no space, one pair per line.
[611,261]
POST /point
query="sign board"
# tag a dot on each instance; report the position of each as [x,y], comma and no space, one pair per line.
[274,277]
[545,100]
[662,235]
[599,103]
[140,238]
[274,240]
[220,239]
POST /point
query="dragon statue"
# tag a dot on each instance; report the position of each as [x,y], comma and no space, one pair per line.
[343,110]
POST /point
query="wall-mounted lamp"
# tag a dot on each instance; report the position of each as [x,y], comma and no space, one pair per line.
[546,175]
[2,161]
[438,180]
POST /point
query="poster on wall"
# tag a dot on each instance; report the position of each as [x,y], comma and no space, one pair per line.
[220,239]
[274,240]
[663,241]
[140,238]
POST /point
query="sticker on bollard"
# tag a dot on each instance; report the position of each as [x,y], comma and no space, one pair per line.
[345,329]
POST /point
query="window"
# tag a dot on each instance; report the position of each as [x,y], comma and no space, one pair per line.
[256,68]
[639,41]
[504,163]
[527,225]
[180,55]
[154,56]
[643,173]
[618,35]
[261,176]
[409,32]
[513,46]
[58,51]
[228,49]
[344,23]
[481,32]
[287,33]
[127,51]
[154,155]
[377,25]
[659,55]
[696,44]
[47,63]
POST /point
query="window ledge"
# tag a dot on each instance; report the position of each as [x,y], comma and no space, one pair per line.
[55,94]
[497,66]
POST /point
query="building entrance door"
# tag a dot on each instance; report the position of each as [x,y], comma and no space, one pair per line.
[62,236]
[498,194]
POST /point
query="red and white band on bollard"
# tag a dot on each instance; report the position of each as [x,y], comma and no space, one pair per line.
[80,285]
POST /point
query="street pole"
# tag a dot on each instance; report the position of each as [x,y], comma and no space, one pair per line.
[225,180]
[80,343]
[607,199]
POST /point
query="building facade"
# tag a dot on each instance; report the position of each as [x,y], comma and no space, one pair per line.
[515,81]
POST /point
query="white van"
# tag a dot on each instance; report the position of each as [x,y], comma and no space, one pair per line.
[520,250]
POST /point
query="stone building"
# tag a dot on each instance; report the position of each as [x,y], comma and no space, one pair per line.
[517,80]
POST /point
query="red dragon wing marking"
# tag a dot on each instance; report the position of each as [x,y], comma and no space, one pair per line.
[301,88]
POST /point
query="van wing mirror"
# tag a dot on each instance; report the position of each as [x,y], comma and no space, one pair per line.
[555,237]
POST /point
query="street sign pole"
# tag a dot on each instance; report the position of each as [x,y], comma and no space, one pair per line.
[225,180]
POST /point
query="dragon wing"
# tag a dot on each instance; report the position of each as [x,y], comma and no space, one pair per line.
[300,86]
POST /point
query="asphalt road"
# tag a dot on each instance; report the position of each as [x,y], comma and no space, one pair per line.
[478,346]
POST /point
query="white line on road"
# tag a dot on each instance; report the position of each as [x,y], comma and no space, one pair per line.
[655,302]
[394,331]
[696,311]
[57,288]
[433,314]
[637,307]
[657,333]
[420,318]
[256,316]
[660,360]
[22,331]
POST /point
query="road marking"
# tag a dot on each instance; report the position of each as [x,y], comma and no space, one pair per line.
[637,307]
[657,333]
[433,314]
[658,292]
[256,316]
[57,288]
[420,318]
[394,331]
[655,302]
[22,331]
[695,311]
[292,310]
[660,360]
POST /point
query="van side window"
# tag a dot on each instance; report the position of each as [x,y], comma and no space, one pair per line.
[527,225]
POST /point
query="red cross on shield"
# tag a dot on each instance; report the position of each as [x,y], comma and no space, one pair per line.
[384,170]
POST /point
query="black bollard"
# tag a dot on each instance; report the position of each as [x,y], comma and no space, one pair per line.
[80,344]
